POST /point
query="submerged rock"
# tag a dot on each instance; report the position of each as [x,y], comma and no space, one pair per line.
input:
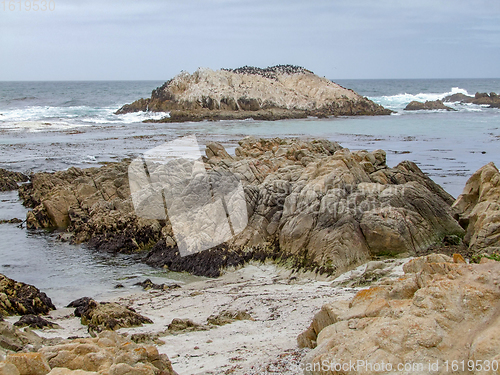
[17,298]
[439,311]
[278,92]
[428,105]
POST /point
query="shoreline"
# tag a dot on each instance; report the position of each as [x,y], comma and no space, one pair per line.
[281,304]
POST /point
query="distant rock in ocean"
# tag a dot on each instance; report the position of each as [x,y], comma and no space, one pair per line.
[428,105]
[278,92]
[481,98]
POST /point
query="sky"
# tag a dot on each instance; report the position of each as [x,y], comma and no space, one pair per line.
[338,39]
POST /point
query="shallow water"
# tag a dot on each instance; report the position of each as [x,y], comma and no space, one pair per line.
[67,272]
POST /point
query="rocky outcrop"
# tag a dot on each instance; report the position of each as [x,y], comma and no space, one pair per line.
[428,105]
[107,315]
[481,98]
[478,210]
[17,298]
[440,310]
[12,339]
[313,204]
[94,205]
[108,354]
[9,180]
[277,92]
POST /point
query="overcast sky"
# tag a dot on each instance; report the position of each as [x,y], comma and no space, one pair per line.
[339,39]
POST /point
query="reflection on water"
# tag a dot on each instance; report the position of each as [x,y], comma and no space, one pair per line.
[66,272]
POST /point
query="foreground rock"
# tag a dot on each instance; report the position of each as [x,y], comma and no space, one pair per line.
[481,98]
[278,92]
[9,180]
[313,204]
[17,298]
[428,106]
[478,209]
[439,311]
[12,339]
[108,354]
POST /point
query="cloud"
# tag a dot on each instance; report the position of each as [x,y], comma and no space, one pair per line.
[155,39]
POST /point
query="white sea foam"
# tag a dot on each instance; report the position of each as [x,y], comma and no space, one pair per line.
[399,101]
[40,118]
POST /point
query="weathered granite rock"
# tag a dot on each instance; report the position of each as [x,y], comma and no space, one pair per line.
[93,204]
[312,202]
[8,369]
[266,94]
[17,298]
[9,180]
[478,209]
[65,371]
[12,339]
[29,363]
[111,316]
[108,354]
[438,311]
[428,105]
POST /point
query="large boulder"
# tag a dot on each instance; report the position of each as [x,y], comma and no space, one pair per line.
[18,298]
[281,91]
[478,209]
[438,312]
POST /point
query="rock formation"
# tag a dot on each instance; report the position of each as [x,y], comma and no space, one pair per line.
[17,298]
[9,180]
[441,310]
[481,98]
[108,354]
[273,93]
[314,203]
[478,209]
[107,315]
[428,105]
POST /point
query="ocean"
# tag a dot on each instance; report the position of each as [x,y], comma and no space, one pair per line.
[49,126]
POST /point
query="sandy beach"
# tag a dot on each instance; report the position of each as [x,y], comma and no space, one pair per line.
[281,305]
